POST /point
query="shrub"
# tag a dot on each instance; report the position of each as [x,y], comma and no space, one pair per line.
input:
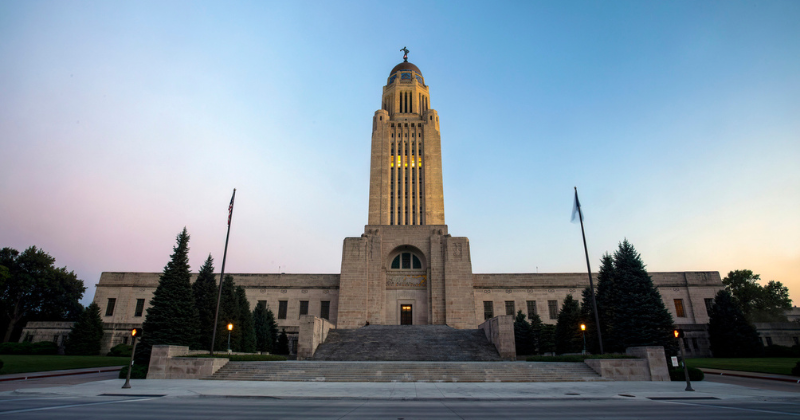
[694,374]
[16,348]
[775,350]
[1,365]
[138,372]
[796,369]
[120,350]
[44,347]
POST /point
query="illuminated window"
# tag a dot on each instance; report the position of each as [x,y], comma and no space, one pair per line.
[679,312]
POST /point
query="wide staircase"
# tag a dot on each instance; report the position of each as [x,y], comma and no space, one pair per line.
[420,353]
[407,372]
[438,343]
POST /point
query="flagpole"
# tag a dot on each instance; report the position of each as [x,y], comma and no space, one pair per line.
[589,268]
[222,273]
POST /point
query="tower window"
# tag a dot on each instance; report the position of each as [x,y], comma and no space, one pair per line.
[406,261]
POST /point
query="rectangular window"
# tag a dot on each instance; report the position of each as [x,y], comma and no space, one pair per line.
[686,345]
[552,306]
[124,339]
[531,309]
[110,307]
[694,344]
[769,341]
[679,312]
[303,307]
[709,304]
[796,341]
[55,339]
[325,309]
[139,307]
[282,304]
[488,310]
[262,301]
[510,307]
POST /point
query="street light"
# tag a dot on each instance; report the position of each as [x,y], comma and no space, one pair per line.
[135,333]
[230,327]
[583,333]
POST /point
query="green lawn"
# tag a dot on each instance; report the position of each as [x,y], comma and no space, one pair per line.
[777,365]
[22,364]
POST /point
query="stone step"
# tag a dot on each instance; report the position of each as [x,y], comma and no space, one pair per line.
[406,343]
[407,372]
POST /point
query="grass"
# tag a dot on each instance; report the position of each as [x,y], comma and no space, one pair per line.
[778,365]
[28,363]
[577,358]
[245,357]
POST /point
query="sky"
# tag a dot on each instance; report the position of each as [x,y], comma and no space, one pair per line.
[121,123]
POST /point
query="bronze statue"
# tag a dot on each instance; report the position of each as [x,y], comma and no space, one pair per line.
[405,54]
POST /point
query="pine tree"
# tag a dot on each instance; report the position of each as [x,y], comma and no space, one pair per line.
[228,314]
[172,316]
[86,334]
[568,332]
[248,333]
[547,338]
[536,333]
[283,343]
[639,315]
[606,299]
[272,331]
[205,292]
[523,335]
[730,333]
[261,328]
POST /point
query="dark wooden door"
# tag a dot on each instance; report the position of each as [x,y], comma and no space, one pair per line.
[406,315]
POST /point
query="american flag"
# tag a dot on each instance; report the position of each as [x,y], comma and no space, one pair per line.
[230,207]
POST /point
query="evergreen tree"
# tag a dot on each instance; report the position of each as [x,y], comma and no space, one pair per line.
[228,314]
[547,338]
[205,300]
[536,333]
[587,318]
[523,335]
[261,327]
[248,332]
[86,334]
[639,315]
[283,343]
[606,301]
[172,316]
[730,333]
[272,331]
[568,331]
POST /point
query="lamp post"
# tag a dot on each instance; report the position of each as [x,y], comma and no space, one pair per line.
[136,332]
[583,333]
[230,327]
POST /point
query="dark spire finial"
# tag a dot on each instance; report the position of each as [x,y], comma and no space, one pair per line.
[405,54]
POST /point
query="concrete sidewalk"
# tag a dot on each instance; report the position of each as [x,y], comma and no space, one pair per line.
[407,390]
[754,375]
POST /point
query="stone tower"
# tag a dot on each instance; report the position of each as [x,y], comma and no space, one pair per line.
[406,166]
[406,268]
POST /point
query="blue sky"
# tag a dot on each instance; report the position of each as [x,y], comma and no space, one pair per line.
[123,122]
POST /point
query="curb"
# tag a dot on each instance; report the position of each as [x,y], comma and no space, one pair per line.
[83,372]
[752,376]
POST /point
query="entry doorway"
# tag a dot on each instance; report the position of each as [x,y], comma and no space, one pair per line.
[406,315]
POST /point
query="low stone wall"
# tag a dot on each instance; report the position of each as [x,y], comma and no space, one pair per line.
[500,332]
[313,332]
[165,363]
[651,365]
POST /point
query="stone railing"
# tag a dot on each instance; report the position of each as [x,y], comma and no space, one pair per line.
[651,365]
[313,332]
[500,332]
[166,363]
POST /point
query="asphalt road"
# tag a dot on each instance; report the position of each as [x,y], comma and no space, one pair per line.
[767,384]
[120,408]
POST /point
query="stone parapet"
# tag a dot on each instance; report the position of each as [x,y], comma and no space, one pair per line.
[313,332]
[656,361]
[620,369]
[500,332]
[166,363]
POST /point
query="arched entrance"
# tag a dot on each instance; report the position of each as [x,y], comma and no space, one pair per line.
[406,296]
